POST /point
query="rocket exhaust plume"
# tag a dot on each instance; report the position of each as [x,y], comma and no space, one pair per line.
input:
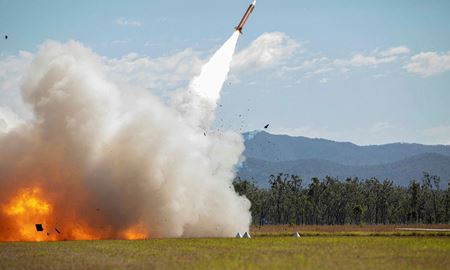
[98,162]
[200,101]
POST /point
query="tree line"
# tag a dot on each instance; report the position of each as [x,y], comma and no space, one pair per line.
[330,201]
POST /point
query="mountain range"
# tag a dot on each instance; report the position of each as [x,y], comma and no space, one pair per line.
[267,154]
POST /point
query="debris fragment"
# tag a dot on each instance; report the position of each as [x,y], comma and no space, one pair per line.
[266,126]
[57,231]
[39,227]
[6,37]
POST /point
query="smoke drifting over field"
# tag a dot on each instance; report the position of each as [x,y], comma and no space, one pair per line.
[100,162]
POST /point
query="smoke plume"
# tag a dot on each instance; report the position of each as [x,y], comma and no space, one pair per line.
[98,162]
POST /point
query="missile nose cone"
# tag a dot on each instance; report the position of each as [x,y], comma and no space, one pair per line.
[254,2]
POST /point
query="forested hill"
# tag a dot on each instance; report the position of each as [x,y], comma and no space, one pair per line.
[272,154]
[266,146]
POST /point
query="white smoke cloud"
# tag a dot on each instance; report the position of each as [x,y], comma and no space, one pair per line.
[93,145]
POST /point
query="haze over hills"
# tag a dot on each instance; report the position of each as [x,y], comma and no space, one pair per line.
[401,162]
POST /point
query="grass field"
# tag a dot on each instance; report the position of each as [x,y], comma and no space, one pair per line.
[349,230]
[266,252]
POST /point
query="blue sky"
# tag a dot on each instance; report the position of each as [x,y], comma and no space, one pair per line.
[369,72]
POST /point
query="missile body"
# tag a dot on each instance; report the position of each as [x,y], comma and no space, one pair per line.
[245,17]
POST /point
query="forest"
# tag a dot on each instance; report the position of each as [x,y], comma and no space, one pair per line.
[331,201]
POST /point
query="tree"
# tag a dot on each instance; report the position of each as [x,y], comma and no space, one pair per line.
[357,214]
[331,201]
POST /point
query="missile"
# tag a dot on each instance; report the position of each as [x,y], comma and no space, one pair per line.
[245,17]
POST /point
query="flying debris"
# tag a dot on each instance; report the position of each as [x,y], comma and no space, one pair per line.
[6,37]
[57,231]
[39,228]
[266,126]
[245,17]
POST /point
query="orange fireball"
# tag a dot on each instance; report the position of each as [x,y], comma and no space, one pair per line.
[25,210]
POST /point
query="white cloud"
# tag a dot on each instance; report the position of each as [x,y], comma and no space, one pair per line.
[320,70]
[157,74]
[429,63]
[171,72]
[399,50]
[361,60]
[125,22]
[311,68]
[8,119]
[267,50]
[324,80]
[306,65]
[12,70]
[376,57]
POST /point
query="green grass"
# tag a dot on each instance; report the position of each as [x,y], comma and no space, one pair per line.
[329,234]
[330,252]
